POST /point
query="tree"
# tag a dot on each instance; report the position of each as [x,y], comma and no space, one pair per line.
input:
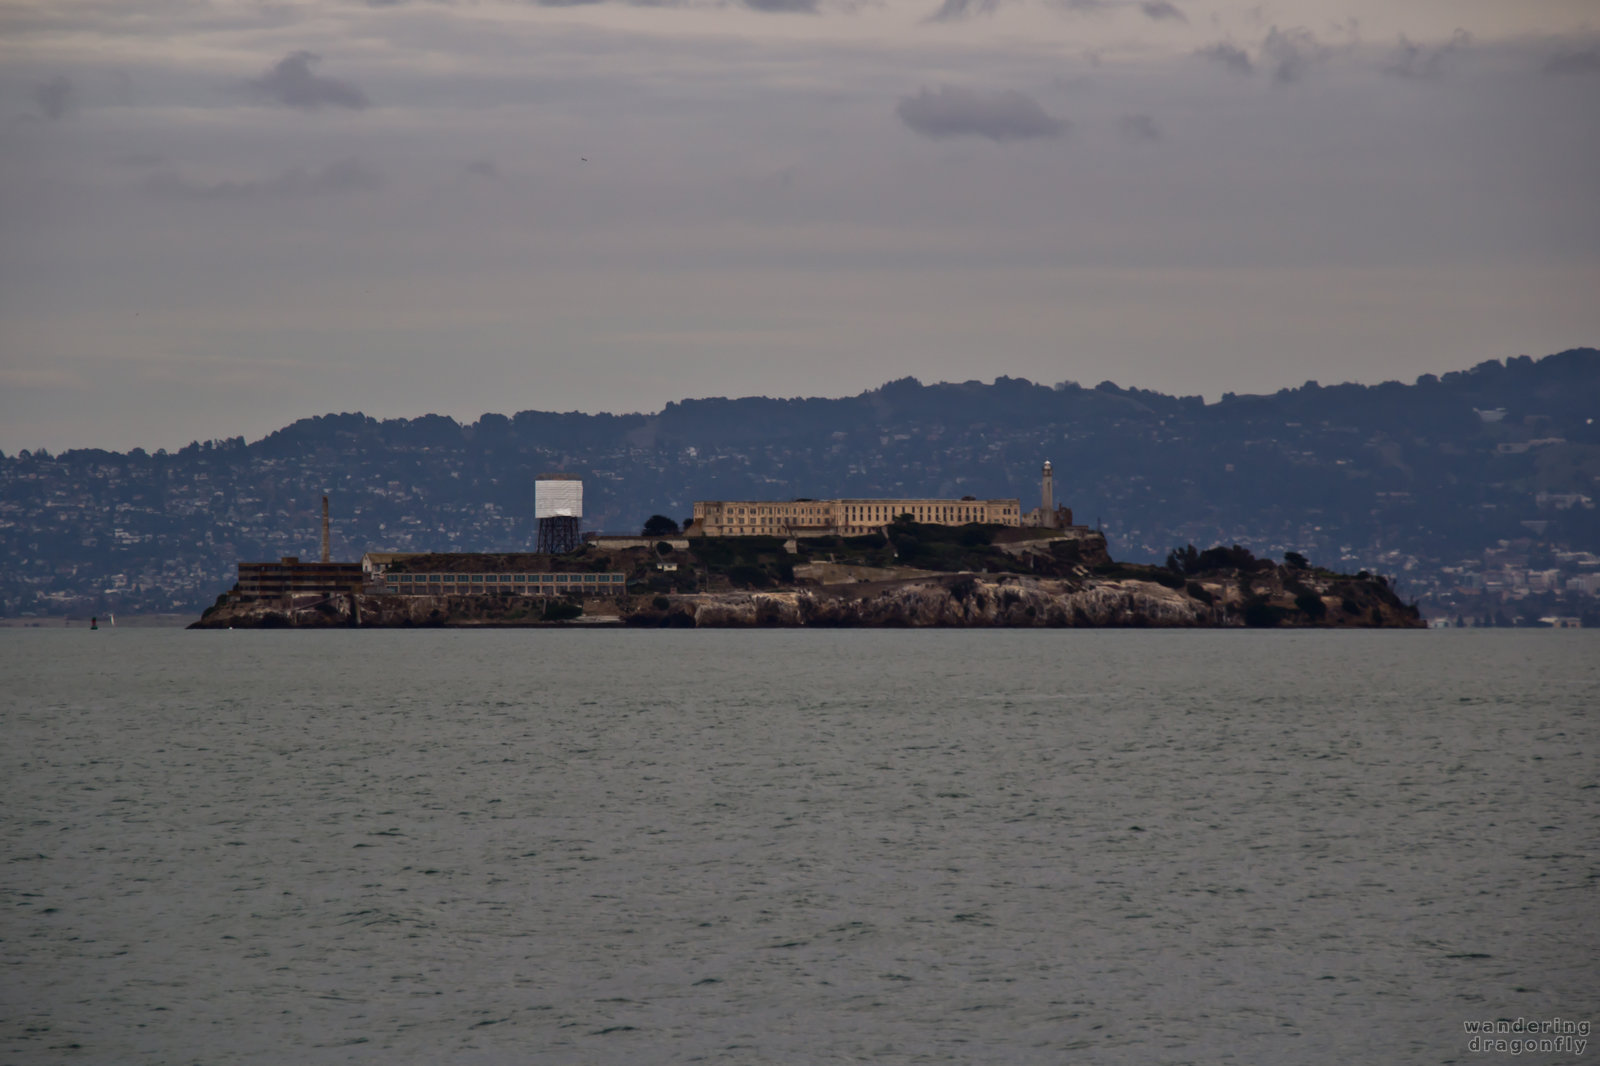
[1296,561]
[659,525]
[1184,560]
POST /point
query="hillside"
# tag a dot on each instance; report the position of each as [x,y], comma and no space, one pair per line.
[1464,480]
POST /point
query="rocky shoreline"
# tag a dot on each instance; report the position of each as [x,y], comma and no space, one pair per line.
[1279,598]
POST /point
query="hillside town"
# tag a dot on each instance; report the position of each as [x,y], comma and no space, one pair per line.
[1477,511]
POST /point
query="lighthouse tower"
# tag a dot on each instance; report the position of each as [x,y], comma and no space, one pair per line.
[1047,495]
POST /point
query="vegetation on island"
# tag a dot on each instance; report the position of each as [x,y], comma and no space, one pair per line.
[903,574]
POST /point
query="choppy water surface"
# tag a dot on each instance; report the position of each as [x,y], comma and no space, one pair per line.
[741,847]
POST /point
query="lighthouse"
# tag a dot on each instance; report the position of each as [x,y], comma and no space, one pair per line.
[1047,494]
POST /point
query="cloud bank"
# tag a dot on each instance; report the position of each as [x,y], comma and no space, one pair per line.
[953,111]
[292,83]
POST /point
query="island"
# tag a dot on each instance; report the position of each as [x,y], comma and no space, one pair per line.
[903,574]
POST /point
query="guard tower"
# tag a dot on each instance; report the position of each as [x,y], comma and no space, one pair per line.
[558,508]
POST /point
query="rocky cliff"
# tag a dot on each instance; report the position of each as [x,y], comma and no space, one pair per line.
[1265,597]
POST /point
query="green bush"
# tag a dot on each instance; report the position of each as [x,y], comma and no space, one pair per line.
[1259,614]
[1311,605]
[1201,593]
[561,611]
[745,575]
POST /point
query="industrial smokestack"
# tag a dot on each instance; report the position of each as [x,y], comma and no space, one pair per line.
[326,556]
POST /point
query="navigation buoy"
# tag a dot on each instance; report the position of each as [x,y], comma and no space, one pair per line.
[94,623]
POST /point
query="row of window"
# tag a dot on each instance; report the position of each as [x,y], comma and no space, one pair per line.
[411,580]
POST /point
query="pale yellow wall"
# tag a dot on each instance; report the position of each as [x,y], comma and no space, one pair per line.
[782,518]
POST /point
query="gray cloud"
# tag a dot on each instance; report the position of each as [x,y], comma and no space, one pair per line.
[778,7]
[1139,128]
[55,98]
[951,10]
[767,7]
[1160,9]
[1584,62]
[1228,55]
[1413,60]
[142,160]
[341,176]
[952,111]
[1291,53]
[291,83]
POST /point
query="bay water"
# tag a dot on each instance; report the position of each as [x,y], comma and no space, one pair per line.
[606,846]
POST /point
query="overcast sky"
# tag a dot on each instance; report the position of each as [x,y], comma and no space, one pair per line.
[217,216]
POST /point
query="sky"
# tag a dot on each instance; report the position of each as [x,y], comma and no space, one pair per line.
[218,216]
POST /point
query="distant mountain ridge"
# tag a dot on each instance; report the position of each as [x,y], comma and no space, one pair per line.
[1404,478]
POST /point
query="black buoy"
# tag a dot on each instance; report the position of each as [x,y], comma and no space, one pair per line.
[94,622]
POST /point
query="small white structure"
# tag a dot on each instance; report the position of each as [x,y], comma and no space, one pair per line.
[557,510]
[558,496]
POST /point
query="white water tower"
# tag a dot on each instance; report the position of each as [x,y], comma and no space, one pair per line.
[558,508]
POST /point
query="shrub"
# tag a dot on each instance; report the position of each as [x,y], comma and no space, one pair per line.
[744,575]
[1219,558]
[974,536]
[1259,614]
[1311,605]
[659,525]
[1184,560]
[661,603]
[561,611]
[1201,593]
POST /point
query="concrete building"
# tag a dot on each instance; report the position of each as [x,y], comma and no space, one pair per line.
[509,574]
[813,518]
[848,517]
[290,577]
[512,583]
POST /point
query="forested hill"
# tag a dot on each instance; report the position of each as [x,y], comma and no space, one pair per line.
[1409,479]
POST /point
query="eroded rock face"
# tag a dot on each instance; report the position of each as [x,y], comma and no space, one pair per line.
[370,612]
[965,600]
[955,600]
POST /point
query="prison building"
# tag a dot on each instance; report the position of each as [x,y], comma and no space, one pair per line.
[290,577]
[511,574]
[512,584]
[790,518]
